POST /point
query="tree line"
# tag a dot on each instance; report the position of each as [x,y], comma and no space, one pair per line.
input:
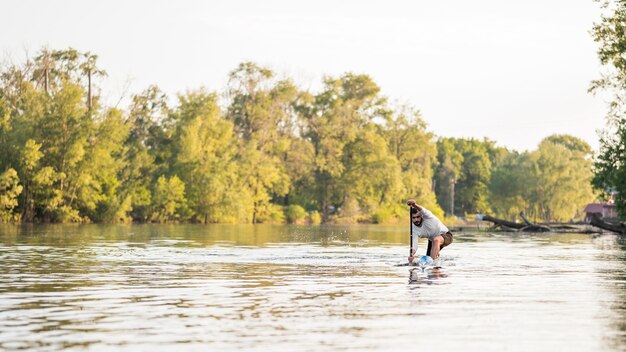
[262,150]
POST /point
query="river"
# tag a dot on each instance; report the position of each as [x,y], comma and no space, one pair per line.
[305,288]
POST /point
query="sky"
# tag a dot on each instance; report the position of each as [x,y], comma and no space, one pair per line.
[514,72]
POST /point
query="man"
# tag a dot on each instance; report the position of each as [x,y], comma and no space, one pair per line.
[426,225]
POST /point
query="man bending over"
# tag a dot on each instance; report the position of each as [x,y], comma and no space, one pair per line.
[426,225]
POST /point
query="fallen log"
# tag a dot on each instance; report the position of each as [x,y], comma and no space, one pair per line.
[532,227]
[597,221]
[500,222]
[526,226]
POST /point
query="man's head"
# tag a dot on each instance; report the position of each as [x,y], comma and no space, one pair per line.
[416,217]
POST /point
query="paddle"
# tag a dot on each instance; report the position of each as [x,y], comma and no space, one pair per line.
[411,231]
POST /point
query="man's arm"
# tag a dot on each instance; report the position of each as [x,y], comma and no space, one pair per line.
[426,214]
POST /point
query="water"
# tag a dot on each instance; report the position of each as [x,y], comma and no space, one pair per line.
[288,288]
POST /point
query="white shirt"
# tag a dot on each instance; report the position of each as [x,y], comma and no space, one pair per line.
[431,227]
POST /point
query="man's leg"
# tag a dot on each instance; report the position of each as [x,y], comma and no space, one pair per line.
[430,247]
[437,242]
[447,240]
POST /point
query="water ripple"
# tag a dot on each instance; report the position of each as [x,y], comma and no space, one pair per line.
[193,290]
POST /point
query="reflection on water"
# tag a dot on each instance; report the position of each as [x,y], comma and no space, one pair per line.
[192,287]
[427,275]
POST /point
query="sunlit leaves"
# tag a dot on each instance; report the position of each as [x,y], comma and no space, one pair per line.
[10,189]
[169,202]
[610,164]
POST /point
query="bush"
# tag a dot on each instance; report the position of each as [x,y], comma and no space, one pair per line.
[65,214]
[383,215]
[295,214]
[270,213]
[315,218]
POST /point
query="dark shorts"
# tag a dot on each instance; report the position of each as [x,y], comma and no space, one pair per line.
[447,239]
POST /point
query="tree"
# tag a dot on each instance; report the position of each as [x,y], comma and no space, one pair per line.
[52,137]
[261,111]
[5,131]
[372,176]
[204,152]
[10,190]
[51,68]
[562,177]
[29,168]
[333,119]
[610,164]
[472,192]
[24,108]
[103,200]
[89,68]
[147,149]
[610,168]
[447,173]
[416,152]
[65,131]
[169,202]
[48,199]
[511,184]
[464,169]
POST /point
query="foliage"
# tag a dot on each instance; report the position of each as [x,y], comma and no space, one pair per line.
[295,214]
[203,156]
[272,213]
[610,164]
[260,110]
[550,183]
[145,150]
[447,174]
[562,178]
[268,152]
[510,185]
[416,152]
[390,214]
[9,192]
[169,203]
[315,218]
[463,174]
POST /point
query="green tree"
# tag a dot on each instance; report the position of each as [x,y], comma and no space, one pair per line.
[52,68]
[29,167]
[10,190]
[24,108]
[204,149]
[169,202]
[5,130]
[295,214]
[511,185]
[463,174]
[610,164]
[448,171]
[147,149]
[65,129]
[372,176]
[562,178]
[48,199]
[472,191]
[103,199]
[50,134]
[261,110]
[333,120]
[416,152]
